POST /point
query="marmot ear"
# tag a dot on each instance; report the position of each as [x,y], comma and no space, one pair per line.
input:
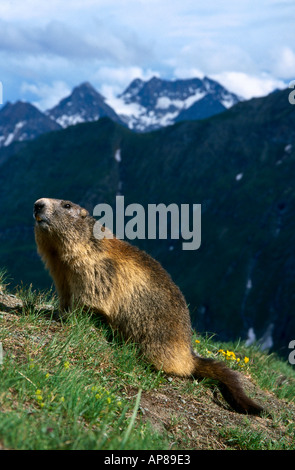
[84,213]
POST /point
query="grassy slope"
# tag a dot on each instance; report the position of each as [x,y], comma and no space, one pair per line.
[70,386]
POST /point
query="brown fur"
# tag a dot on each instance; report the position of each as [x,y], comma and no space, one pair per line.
[130,289]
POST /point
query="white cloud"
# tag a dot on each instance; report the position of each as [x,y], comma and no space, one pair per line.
[36,11]
[58,39]
[110,42]
[188,72]
[61,40]
[48,95]
[248,86]
[284,62]
[112,81]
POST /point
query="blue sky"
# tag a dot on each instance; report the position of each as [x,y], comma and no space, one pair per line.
[47,48]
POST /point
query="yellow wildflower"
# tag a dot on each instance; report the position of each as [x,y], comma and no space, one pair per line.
[246,360]
[230,354]
[66,365]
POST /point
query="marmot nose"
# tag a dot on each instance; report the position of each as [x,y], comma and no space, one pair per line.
[38,206]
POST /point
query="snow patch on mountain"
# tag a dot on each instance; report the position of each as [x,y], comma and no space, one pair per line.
[118,157]
[84,104]
[22,121]
[157,103]
[164,102]
[66,120]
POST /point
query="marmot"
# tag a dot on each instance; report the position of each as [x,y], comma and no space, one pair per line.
[131,290]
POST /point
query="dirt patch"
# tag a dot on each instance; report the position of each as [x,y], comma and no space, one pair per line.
[20,338]
[201,422]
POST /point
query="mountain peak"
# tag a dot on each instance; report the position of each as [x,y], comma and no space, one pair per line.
[156,103]
[23,121]
[84,104]
[19,106]
[86,85]
[155,79]
[87,88]
[133,89]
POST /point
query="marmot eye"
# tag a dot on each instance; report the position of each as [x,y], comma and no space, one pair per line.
[67,206]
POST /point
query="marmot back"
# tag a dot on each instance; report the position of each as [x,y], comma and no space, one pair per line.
[130,289]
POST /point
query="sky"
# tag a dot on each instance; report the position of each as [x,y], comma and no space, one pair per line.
[47,48]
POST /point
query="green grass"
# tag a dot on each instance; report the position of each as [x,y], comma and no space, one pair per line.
[269,370]
[58,392]
[249,440]
[63,386]
[73,385]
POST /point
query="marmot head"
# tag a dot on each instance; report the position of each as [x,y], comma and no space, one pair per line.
[59,218]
